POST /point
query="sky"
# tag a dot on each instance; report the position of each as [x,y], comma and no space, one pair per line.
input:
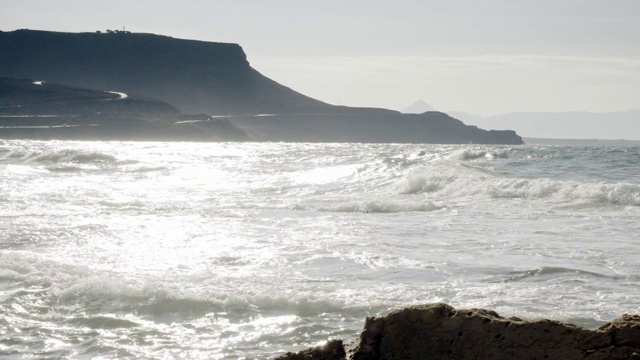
[484,57]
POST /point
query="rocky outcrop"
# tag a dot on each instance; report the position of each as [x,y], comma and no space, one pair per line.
[439,331]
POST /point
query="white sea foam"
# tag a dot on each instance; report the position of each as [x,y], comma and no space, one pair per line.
[444,181]
[223,250]
[55,156]
[419,182]
[372,206]
[613,194]
[74,156]
[471,154]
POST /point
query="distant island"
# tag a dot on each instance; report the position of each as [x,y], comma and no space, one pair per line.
[129,86]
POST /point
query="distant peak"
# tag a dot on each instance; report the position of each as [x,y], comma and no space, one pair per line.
[418,107]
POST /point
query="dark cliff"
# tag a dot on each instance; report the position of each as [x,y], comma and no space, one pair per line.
[216,78]
[195,76]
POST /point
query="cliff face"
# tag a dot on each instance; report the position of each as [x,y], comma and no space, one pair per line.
[195,76]
[439,331]
[213,78]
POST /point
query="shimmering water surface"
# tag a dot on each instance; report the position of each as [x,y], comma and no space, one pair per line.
[246,250]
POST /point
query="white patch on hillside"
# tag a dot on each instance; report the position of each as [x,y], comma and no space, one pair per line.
[122,95]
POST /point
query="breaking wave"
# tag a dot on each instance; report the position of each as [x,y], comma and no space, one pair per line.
[155,301]
[57,157]
[102,322]
[73,156]
[373,206]
[464,181]
[468,154]
[546,272]
[614,194]
[71,288]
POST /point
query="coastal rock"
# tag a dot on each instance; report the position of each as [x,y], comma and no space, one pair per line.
[438,331]
[332,350]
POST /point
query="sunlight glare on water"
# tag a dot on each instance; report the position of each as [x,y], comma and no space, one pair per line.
[246,250]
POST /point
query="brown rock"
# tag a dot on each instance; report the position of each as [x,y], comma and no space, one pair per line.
[332,350]
[438,331]
[624,331]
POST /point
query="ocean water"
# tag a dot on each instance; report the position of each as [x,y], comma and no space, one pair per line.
[138,250]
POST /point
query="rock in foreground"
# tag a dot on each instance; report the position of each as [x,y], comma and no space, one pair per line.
[439,331]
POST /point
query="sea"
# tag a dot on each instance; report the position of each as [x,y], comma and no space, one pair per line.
[178,250]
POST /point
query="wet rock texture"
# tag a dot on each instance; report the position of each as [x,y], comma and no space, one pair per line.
[438,331]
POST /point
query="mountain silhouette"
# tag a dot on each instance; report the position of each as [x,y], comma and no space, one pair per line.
[418,107]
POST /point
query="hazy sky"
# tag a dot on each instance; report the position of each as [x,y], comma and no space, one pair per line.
[481,56]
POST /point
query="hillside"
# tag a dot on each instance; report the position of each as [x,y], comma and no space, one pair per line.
[28,97]
[41,110]
[195,76]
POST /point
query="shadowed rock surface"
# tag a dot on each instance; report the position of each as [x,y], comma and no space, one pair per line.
[438,331]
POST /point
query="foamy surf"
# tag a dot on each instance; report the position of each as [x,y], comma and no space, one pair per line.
[446,180]
[168,250]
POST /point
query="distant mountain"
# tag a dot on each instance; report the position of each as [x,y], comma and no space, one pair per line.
[418,107]
[562,125]
[207,78]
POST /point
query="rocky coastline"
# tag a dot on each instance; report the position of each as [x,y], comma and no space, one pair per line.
[438,331]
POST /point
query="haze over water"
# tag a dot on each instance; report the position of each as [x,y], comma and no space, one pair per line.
[247,250]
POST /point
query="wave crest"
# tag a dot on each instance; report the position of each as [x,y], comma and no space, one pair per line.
[471,154]
[615,194]
[445,180]
[546,272]
[418,183]
[72,156]
[373,206]
[53,157]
